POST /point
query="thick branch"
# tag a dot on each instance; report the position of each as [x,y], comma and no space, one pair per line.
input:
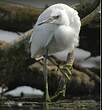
[87,19]
[17,17]
[13,59]
[93,75]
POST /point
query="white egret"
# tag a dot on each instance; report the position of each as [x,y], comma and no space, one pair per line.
[56,29]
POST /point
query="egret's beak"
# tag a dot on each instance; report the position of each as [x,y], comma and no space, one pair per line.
[49,20]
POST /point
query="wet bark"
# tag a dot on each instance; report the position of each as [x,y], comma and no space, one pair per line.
[16,69]
[19,17]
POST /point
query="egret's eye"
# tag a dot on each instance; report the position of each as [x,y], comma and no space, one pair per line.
[56,17]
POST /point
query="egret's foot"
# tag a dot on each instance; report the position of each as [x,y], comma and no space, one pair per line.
[67,71]
[61,91]
[46,95]
[60,94]
[47,98]
[64,90]
[57,95]
[69,66]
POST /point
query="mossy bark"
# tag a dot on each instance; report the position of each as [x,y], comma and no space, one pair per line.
[19,17]
[17,69]
[15,61]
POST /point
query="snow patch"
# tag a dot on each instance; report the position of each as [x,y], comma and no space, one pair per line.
[92,62]
[25,90]
[8,36]
[80,55]
[80,58]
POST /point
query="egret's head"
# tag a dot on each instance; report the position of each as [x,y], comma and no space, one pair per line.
[58,17]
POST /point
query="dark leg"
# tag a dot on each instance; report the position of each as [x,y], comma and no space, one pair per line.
[66,71]
[47,98]
[68,68]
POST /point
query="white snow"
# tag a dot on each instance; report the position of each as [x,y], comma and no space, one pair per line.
[92,62]
[26,90]
[7,36]
[80,55]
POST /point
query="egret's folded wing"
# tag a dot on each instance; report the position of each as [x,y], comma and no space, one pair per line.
[35,29]
[39,39]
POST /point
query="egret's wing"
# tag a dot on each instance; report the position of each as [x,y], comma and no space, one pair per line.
[45,15]
[43,34]
[40,38]
[34,32]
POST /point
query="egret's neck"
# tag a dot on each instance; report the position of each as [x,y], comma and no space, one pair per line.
[65,21]
[75,23]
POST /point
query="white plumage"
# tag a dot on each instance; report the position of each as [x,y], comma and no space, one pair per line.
[56,29]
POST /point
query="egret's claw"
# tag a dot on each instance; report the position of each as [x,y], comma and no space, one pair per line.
[47,99]
[66,70]
[57,95]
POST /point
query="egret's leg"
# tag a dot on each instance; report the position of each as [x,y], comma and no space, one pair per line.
[66,71]
[47,98]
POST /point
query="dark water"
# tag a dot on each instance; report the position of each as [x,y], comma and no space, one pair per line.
[58,105]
